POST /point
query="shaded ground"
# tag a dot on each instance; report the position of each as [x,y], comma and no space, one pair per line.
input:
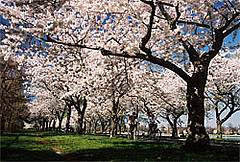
[60,147]
[26,148]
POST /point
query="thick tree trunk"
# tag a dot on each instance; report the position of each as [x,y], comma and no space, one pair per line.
[80,124]
[198,139]
[81,112]
[114,125]
[219,129]
[174,129]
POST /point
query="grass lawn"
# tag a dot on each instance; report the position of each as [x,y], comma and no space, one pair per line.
[27,146]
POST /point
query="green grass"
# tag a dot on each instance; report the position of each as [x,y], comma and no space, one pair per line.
[118,149]
[27,146]
[36,133]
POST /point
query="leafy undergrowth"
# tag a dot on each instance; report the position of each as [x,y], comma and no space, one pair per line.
[26,146]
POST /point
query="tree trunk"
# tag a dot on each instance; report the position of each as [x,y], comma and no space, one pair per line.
[43,124]
[85,127]
[60,125]
[54,125]
[113,127]
[102,126]
[46,125]
[219,129]
[80,124]
[68,117]
[90,127]
[198,138]
[114,119]
[2,125]
[95,126]
[174,129]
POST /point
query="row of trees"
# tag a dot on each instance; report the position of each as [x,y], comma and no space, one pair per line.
[181,36]
[108,92]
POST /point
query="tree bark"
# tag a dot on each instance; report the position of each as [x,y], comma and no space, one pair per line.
[60,125]
[114,120]
[43,124]
[219,129]
[68,117]
[54,125]
[198,138]
[80,124]
[2,125]
[174,129]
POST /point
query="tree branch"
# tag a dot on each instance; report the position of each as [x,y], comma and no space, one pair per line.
[147,37]
[193,54]
[152,59]
[49,39]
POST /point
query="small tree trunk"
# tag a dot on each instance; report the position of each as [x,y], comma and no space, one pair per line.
[60,125]
[68,118]
[113,128]
[90,127]
[95,126]
[43,124]
[46,125]
[102,126]
[49,124]
[54,125]
[219,129]
[114,120]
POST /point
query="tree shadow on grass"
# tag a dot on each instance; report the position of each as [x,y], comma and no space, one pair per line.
[152,152]
[19,154]
[25,148]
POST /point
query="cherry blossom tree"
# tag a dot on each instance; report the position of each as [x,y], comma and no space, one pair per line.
[161,94]
[171,90]
[166,33]
[223,92]
[113,84]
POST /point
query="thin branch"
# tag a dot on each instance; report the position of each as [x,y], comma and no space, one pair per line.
[49,39]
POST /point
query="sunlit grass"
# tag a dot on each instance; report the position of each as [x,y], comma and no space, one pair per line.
[71,143]
[27,146]
[87,147]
